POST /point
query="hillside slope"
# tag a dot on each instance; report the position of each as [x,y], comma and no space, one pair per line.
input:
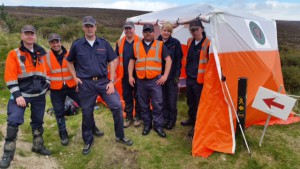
[288,31]
[105,17]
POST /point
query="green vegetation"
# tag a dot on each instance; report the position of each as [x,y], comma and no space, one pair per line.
[280,148]
[290,61]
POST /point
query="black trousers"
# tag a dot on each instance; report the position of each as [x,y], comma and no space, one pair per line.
[170,97]
[193,94]
[129,96]
[88,92]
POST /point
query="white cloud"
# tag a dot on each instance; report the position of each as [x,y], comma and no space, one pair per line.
[144,5]
[135,5]
[271,9]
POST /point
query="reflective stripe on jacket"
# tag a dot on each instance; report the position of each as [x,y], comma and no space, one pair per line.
[59,74]
[203,58]
[148,65]
[22,77]
[121,43]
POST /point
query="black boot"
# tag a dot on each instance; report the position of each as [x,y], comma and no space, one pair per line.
[64,138]
[191,132]
[38,142]
[9,146]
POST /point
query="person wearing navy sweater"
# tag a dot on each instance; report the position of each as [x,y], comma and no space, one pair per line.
[90,56]
[170,88]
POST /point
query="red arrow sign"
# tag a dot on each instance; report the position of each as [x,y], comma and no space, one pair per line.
[270,102]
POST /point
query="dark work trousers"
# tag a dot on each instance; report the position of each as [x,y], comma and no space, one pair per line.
[148,90]
[16,113]
[193,94]
[58,98]
[170,97]
[130,93]
[88,92]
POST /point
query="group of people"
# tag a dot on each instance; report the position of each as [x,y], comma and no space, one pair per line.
[149,70]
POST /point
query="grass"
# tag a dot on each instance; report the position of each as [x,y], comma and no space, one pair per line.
[280,148]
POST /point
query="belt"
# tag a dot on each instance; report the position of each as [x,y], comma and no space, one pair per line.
[96,78]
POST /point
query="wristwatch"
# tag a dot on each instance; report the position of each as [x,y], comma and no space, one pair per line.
[112,81]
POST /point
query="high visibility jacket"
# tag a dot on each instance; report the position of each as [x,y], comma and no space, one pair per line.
[59,74]
[148,65]
[121,43]
[23,77]
[203,58]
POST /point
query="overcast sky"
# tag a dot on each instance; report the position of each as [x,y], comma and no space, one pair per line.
[272,9]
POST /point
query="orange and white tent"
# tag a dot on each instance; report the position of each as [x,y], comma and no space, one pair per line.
[242,45]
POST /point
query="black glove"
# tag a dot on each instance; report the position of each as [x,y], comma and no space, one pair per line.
[176,80]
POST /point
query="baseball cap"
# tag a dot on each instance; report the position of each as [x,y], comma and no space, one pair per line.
[195,24]
[148,27]
[88,20]
[128,24]
[28,28]
[53,36]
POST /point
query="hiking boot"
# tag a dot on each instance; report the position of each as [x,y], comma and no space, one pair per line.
[170,126]
[9,146]
[38,142]
[125,141]
[188,122]
[160,132]
[64,141]
[42,151]
[137,122]
[64,138]
[127,122]
[86,149]
[5,161]
[97,132]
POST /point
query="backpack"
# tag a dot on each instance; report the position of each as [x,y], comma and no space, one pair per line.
[71,107]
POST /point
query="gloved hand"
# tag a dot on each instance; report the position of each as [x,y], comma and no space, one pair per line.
[176,80]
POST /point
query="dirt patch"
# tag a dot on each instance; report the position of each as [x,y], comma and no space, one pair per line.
[124,157]
[26,159]
[119,157]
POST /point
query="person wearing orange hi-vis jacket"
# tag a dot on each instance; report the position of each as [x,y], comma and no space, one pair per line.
[123,50]
[146,58]
[26,78]
[197,59]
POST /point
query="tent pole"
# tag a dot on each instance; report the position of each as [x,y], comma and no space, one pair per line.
[240,126]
